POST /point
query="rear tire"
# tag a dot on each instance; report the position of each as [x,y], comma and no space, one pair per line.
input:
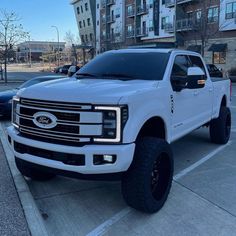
[31,172]
[146,184]
[221,126]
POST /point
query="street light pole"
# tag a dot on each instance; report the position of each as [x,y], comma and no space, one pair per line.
[58,45]
[30,62]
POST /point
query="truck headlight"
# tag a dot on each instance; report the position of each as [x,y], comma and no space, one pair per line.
[114,119]
[15,102]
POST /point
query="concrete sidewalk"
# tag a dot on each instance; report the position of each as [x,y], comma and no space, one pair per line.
[12,219]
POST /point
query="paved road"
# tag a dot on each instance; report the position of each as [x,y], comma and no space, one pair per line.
[202,200]
[12,219]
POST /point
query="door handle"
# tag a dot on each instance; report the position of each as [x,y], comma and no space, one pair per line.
[196,93]
[210,89]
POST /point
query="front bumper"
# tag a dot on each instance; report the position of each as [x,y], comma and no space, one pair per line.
[123,152]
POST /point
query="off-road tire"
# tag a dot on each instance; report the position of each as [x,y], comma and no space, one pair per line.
[221,126]
[31,172]
[138,183]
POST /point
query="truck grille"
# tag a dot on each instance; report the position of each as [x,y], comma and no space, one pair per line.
[74,123]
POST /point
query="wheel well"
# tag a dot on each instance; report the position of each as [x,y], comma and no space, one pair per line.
[154,127]
[223,102]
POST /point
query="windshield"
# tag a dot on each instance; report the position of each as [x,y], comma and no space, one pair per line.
[126,66]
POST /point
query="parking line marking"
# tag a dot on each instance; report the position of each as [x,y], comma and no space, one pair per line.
[104,227]
[200,162]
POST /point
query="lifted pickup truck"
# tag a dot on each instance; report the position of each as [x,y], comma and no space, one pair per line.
[118,115]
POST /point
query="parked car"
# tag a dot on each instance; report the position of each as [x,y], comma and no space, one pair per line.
[214,71]
[72,70]
[6,96]
[57,69]
[64,69]
[118,116]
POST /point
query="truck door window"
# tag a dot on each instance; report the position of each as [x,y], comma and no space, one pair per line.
[180,67]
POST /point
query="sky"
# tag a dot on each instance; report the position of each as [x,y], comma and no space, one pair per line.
[37,17]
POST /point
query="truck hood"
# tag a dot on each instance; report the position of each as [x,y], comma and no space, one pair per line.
[94,91]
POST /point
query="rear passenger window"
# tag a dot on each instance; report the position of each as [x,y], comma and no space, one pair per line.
[180,67]
[196,61]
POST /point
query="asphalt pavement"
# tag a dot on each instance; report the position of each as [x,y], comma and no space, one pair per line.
[12,219]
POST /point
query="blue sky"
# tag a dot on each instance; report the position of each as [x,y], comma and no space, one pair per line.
[37,17]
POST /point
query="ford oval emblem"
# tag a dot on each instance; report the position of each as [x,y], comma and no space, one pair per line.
[45,120]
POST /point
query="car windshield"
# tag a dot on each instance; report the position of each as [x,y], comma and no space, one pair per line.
[126,66]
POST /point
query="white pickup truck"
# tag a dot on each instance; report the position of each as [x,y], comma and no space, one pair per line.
[118,116]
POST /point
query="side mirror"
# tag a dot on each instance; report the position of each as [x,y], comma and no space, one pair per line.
[196,78]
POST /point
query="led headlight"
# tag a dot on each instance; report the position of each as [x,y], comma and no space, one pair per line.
[15,102]
[114,119]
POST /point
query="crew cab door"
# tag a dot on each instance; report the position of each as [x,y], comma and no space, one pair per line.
[190,106]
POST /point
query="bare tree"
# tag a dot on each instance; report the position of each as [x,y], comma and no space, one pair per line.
[10,34]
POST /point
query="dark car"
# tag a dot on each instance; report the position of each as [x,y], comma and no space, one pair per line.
[64,69]
[6,96]
[57,69]
[214,71]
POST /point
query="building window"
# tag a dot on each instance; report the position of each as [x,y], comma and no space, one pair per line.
[130,10]
[151,25]
[82,38]
[91,37]
[230,10]
[164,22]
[97,22]
[213,14]
[88,21]
[198,16]
[84,23]
[80,24]
[98,6]
[86,38]
[78,12]
[219,57]
[81,8]
[86,6]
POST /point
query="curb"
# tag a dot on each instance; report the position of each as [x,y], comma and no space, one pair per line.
[31,211]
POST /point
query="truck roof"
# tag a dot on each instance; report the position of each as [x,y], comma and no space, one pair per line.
[161,50]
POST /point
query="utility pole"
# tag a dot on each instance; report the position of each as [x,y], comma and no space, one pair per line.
[30,62]
[58,45]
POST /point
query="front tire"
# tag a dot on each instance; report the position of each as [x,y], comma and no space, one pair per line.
[220,128]
[146,184]
[31,172]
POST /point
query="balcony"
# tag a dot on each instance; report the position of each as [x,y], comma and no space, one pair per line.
[110,19]
[170,3]
[130,12]
[169,28]
[111,2]
[141,32]
[185,24]
[142,9]
[130,33]
[185,1]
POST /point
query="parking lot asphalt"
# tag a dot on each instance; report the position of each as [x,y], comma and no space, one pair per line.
[12,219]
[202,200]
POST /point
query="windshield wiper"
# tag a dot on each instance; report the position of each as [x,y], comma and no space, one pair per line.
[117,75]
[85,75]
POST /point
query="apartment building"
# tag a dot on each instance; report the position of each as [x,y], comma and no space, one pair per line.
[86,20]
[208,27]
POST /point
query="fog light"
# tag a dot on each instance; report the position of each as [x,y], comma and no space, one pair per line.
[104,159]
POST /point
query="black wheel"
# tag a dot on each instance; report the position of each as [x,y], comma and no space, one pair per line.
[220,127]
[146,184]
[31,172]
